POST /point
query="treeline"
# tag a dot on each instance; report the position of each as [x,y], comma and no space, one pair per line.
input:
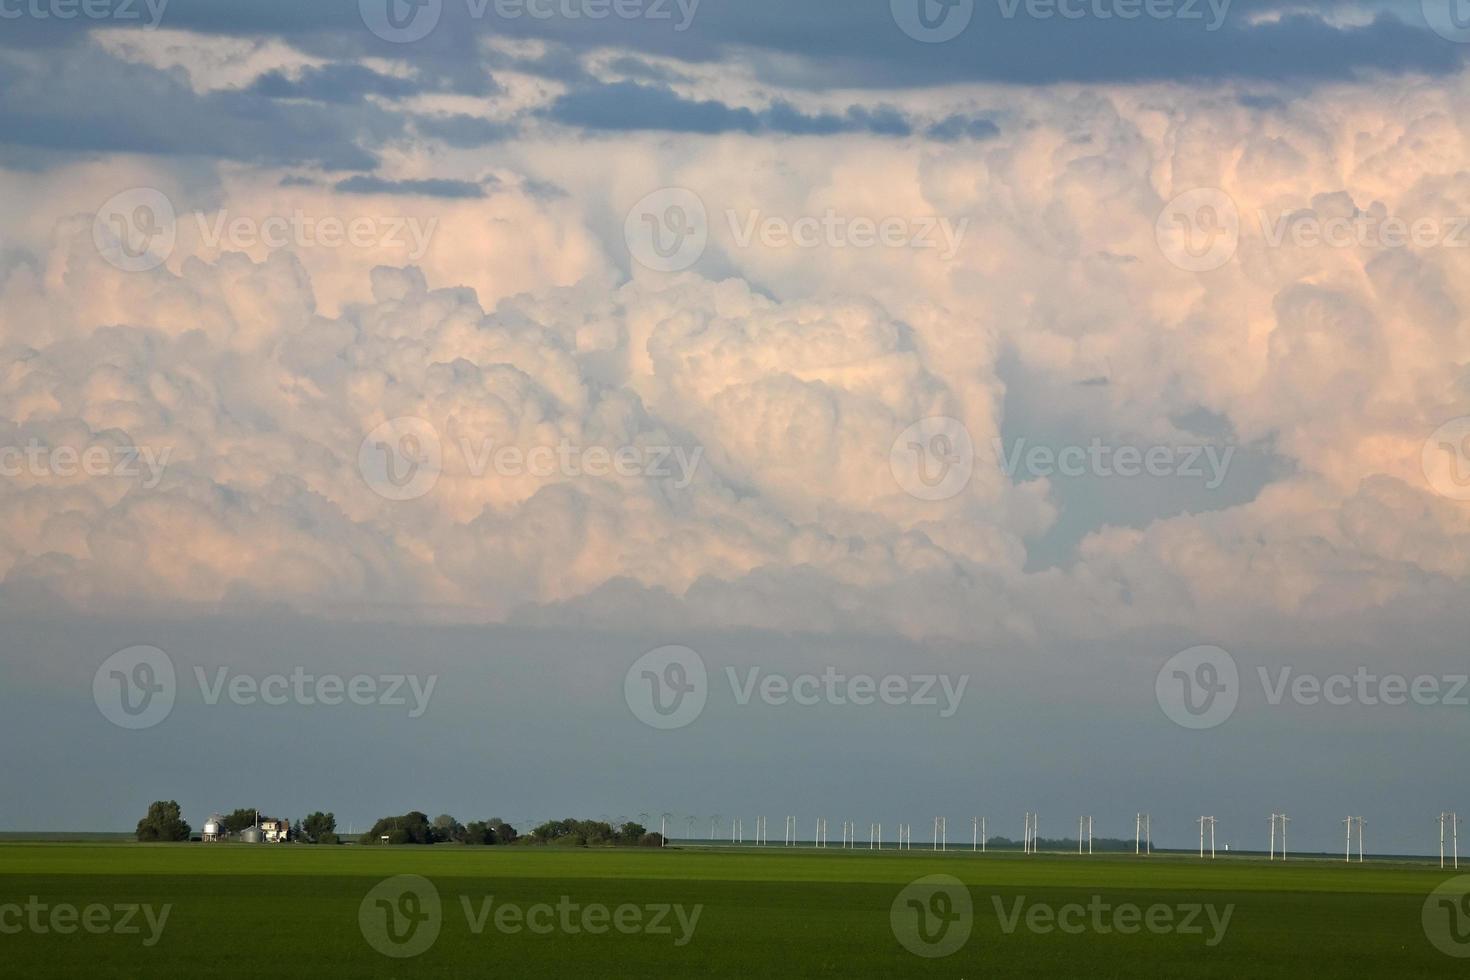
[164,822]
[1099,844]
[416,828]
[595,833]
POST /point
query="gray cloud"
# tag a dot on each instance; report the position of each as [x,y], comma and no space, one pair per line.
[838,43]
[421,188]
[90,102]
[629,106]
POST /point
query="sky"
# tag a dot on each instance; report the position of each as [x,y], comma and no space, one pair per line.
[863,410]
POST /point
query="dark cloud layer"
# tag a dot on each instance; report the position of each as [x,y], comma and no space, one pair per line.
[848,44]
[92,103]
[420,188]
[627,106]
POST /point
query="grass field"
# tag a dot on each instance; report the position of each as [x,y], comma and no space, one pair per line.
[332,911]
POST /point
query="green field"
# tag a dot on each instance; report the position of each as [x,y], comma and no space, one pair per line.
[304,911]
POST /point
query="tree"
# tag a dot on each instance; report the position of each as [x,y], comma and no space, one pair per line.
[239,820]
[411,828]
[319,828]
[593,833]
[479,832]
[504,832]
[446,828]
[164,822]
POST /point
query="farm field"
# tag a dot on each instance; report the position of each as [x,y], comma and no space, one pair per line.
[299,911]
